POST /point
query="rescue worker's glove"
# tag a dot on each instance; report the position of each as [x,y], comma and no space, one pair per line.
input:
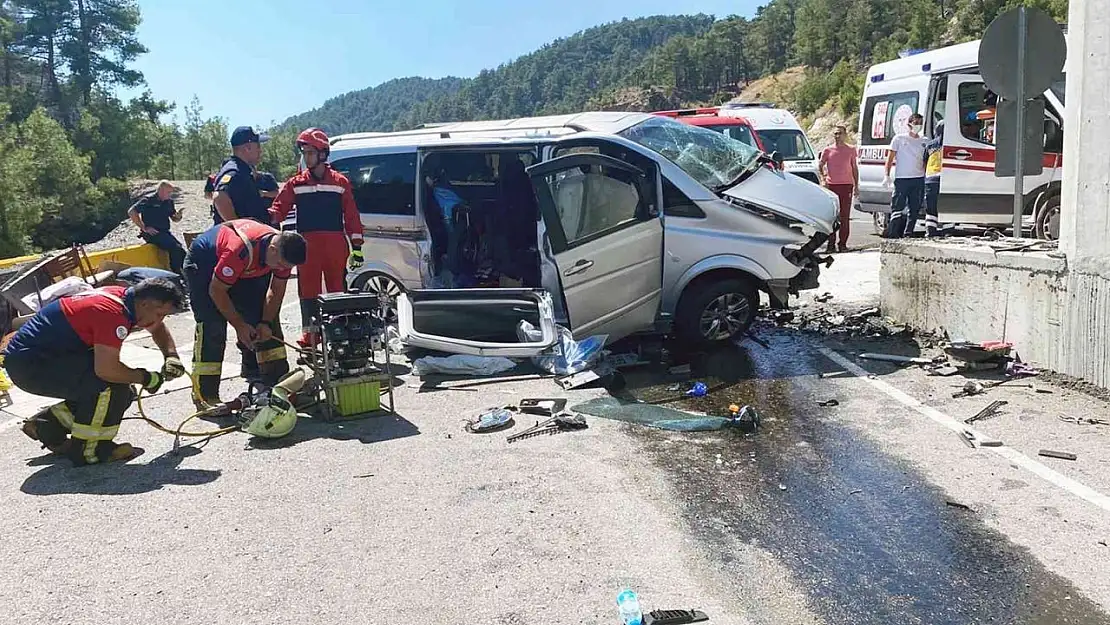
[356,259]
[173,368]
[152,381]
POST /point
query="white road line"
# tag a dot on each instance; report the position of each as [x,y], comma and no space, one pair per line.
[1062,481]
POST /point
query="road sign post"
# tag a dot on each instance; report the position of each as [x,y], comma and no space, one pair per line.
[1038,44]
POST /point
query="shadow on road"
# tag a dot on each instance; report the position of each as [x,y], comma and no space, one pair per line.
[366,431]
[62,478]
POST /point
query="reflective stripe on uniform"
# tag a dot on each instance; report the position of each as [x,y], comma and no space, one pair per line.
[207,368]
[271,355]
[95,431]
[317,188]
[63,415]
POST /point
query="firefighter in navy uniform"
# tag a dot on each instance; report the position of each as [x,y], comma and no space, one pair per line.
[328,218]
[70,350]
[235,191]
[229,270]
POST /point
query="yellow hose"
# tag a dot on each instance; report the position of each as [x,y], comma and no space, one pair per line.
[180,428]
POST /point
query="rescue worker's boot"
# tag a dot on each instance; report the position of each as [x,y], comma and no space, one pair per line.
[106,451]
[45,428]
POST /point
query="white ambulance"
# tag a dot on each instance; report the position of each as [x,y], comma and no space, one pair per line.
[778,131]
[945,84]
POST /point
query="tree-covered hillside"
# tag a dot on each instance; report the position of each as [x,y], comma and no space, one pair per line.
[684,60]
[560,76]
[375,108]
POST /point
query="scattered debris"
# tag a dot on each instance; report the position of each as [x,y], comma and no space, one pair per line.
[822,298]
[543,407]
[864,314]
[970,388]
[747,418]
[855,492]
[674,617]
[919,360]
[679,370]
[972,439]
[1085,420]
[958,506]
[782,486]
[782,316]
[365,475]
[491,421]
[986,413]
[942,370]
[563,422]
[987,351]
[583,378]
[1020,370]
[674,388]
[1061,455]
[990,442]
[699,389]
[828,403]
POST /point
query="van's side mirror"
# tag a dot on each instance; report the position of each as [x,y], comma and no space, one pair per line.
[776,158]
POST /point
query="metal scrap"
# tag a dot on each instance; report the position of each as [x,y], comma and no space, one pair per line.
[896,358]
[986,413]
[1084,420]
[1061,455]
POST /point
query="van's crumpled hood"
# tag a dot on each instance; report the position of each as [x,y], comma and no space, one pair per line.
[789,196]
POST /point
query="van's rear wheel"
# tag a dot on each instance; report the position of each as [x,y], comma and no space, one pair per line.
[717,311]
[385,288]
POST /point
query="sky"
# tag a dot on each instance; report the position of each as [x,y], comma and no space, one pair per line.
[256,62]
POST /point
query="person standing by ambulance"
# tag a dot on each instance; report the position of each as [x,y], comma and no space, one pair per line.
[907,157]
[934,151]
[328,218]
[840,174]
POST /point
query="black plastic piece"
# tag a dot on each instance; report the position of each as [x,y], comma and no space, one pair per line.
[332,303]
[674,617]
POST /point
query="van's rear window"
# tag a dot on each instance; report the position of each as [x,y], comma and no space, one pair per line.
[884,116]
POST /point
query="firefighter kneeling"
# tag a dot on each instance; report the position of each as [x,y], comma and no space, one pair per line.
[229,270]
[70,350]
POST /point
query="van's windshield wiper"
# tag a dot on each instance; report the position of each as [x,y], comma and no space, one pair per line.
[756,163]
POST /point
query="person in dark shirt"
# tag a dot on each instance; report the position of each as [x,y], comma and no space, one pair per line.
[152,214]
[267,187]
[236,193]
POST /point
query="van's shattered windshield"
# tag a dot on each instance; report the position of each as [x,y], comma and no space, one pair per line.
[711,158]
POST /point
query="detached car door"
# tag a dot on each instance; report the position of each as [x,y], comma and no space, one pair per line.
[606,237]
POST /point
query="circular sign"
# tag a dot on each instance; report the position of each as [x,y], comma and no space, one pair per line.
[1045,51]
[901,120]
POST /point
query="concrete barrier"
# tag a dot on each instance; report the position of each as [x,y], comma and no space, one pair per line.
[971,292]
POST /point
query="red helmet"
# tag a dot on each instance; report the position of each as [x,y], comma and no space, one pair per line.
[316,138]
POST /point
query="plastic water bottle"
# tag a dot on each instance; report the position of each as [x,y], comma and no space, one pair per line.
[629,606]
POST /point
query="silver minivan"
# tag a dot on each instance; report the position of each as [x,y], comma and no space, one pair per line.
[605,223]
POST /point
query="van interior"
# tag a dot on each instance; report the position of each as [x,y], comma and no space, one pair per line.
[481,212]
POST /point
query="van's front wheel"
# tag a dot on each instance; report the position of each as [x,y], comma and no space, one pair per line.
[717,311]
[384,287]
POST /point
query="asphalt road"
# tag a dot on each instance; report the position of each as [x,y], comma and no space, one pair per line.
[828,515]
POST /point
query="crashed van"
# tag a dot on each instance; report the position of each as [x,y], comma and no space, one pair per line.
[604,223]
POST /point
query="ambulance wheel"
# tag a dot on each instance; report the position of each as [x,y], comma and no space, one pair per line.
[384,287]
[1047,224]
[880,221]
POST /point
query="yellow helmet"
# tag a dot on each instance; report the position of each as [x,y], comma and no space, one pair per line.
[278,416]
